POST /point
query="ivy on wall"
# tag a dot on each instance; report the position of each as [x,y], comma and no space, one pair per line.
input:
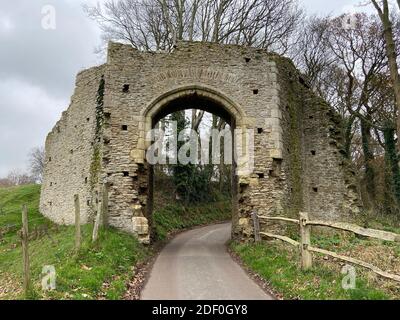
[95,165]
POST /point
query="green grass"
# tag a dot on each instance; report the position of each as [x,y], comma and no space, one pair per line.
[11,201]
[176,217]
[280,268]
[99,270]
[82,275]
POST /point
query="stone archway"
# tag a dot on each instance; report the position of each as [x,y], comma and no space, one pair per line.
[187,97]
[299,161]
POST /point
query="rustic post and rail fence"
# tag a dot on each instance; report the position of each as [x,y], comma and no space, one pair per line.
[24,234]
[304,245]
[306,249]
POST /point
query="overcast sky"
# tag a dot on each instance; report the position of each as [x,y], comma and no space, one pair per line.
[38,67]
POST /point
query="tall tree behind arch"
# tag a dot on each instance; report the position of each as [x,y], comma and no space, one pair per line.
[158,24]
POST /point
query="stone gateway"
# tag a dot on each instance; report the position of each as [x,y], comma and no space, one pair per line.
[99,143]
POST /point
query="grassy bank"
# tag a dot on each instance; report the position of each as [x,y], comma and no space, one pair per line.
[176,217]
[278,265]
[97,271]
[11,201]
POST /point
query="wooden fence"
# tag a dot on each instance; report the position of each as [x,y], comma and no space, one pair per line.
[26,235]
[306,249]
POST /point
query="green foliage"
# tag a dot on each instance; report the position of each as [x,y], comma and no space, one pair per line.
[326,242]
[80,276]
[392,166]
[108,262]
[99,106]
[278,267]
[11,201]
[95,165]
[369,175]
[295,147]
[347,135]
[192,182]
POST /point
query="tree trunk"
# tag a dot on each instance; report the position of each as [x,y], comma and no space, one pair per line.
[348,136]
[369,177]
[392,172]
[193,19]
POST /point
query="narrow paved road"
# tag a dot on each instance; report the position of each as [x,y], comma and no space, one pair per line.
[196,266]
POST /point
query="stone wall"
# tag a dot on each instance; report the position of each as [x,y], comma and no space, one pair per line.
[322,181]
[255,90]
[69,151]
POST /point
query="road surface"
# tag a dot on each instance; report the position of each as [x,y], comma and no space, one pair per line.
[196,266]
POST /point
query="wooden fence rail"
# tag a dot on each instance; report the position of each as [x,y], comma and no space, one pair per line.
[371,233]
[306,248]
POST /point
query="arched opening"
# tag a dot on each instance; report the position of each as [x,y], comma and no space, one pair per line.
[215,109]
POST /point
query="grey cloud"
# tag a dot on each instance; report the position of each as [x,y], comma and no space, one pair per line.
[38,68]
[26,117]
[37,71]
[46,58]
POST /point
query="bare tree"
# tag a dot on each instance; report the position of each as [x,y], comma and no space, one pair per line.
[17,178]
[13,177]
[383,9]
[158,24]
[4,183]
[36,163]
[361,55]
[312,55]
[348,67]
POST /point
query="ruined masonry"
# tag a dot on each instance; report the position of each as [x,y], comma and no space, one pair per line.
[97,148]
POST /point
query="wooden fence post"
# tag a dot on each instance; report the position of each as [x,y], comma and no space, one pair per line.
[77,223]
[105,204]
[98,221]
[256,223]
[102,212]
[305,241]
[25,252]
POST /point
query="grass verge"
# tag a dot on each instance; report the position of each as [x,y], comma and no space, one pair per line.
[278,265]
[98,271]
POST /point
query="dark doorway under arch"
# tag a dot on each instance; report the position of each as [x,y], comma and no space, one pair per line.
[194,100]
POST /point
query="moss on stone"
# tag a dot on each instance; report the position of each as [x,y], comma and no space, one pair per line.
[295,157]
[294,136]
[95,165]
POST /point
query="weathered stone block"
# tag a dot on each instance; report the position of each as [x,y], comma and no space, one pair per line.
[138,156]
[137,210]
[140,226]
